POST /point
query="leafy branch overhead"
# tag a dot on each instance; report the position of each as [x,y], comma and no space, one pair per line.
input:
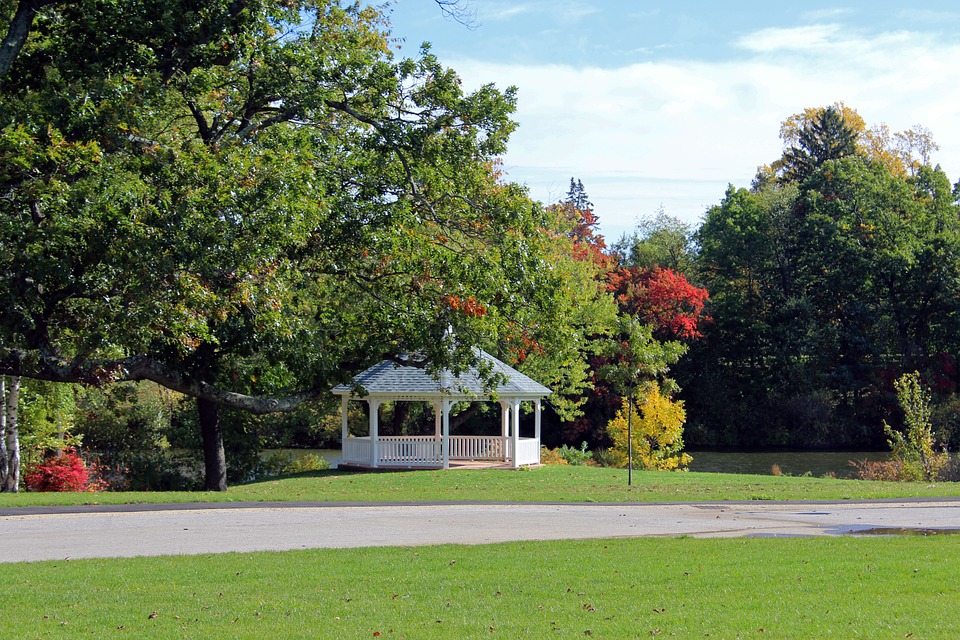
[229,191]
[250,201]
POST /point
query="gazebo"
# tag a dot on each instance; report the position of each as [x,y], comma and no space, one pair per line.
[390,381]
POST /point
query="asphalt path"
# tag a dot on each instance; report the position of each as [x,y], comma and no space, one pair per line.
[54,533]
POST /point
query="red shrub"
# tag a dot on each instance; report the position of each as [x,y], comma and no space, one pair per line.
[65,472]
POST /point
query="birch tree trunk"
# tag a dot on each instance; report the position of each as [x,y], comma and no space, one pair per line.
[12,483]
[3,432]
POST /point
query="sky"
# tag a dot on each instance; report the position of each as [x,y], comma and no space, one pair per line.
[665,104]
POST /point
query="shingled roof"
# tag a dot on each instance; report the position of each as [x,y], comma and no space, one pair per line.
[398,381]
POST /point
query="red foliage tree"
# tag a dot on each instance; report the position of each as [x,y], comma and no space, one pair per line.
[662,298]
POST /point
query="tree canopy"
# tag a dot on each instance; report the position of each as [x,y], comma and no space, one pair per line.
[249,201]
[825,286]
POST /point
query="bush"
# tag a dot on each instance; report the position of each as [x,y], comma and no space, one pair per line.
[881,470]
[950,472]
[280,463]
[309,462]
[551,456]
[605,458]
[63,472]
[945,418]
[128,427]
[914,447]
[575,457]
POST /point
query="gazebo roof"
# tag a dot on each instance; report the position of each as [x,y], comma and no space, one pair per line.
[397,381]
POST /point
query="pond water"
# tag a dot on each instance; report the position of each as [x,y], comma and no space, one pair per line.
[794,463]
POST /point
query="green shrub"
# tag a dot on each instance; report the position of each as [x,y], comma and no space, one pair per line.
[606,458]
[308,462]
[914,447]
[575,457]
[551,456]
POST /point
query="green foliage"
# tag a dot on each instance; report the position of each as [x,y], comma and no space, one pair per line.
[658,241]
[914,447]
[226,202]
[128,428]
[821,289]
[574,456]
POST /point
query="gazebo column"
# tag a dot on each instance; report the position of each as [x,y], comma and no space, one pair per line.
[445,441]
[515,429]
[505,428]
[344,425]
[437,420]
[537,407]
[374,432]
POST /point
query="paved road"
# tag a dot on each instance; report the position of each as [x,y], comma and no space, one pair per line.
[50,533]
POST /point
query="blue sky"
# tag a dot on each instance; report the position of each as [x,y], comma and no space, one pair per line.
[656,104]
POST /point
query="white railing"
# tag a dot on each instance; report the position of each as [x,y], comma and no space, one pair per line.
[476,448]
[528,451]
[410,450]
[356,450]
[427,451]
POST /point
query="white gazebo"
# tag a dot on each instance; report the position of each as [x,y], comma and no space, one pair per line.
[389,381]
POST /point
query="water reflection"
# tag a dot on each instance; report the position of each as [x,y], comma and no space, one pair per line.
[794,463]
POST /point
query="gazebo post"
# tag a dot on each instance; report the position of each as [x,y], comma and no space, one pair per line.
[374,432]
[344,425]
[445,443]
[515,429]
[537,407]
[437,420]
[504,428]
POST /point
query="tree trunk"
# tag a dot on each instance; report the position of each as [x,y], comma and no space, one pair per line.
[18,31]
[12,481]
[3,431]
[214,460]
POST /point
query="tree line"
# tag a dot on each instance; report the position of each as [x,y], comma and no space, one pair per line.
[836,272]
[245,203]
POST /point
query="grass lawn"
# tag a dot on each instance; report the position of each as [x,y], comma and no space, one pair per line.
[639,588]
[544,484]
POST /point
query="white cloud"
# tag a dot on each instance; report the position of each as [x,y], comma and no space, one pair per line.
[825,14]
[813,37]
[503,11]
[676,132]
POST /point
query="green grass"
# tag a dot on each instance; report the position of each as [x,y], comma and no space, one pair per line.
[544,484]
[637,588]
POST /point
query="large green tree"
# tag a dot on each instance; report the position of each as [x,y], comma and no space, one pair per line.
[247,201]
[825,285]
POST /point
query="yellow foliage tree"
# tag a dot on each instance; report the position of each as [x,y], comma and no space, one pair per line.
[902,152]
[657,432]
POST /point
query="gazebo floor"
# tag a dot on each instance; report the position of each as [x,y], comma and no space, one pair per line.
[454,464]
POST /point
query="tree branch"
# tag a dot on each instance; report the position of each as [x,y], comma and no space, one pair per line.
[18,31]
[48,367]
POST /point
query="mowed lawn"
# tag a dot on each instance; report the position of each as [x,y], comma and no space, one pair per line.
[544,484]
[900,587]
[851,587]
